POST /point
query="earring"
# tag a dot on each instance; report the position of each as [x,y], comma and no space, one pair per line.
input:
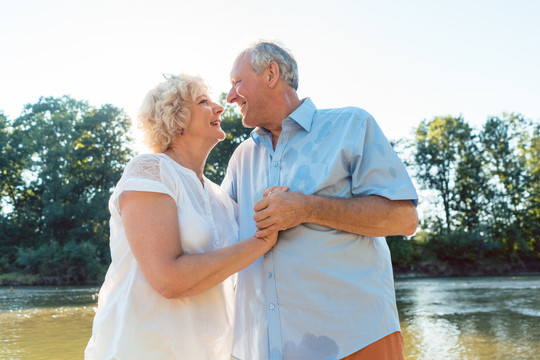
[180,131]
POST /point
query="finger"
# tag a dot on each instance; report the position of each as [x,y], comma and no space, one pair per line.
[261,204]
[261,215]
[271,190]
[280,189]
[265,223]
[265,232]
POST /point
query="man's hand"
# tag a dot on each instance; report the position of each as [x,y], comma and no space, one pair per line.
[278,210]
[370,215]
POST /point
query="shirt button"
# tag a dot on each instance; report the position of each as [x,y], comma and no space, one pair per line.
[269,275]
[275,164]
[272,306]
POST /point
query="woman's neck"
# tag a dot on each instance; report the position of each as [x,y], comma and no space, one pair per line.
[192,158]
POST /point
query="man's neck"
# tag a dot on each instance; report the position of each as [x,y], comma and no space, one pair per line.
[290,102]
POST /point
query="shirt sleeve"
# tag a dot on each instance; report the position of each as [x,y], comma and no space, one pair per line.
[143,173]
[376,168]
[229,181]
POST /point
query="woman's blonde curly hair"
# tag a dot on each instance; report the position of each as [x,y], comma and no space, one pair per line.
[165,109]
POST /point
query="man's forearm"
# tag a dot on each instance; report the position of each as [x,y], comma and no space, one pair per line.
[370,215]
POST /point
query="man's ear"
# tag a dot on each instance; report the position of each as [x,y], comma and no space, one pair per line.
[272,73]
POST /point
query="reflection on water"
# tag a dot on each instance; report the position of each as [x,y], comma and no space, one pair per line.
[492,318]
[470,318]
[45,322]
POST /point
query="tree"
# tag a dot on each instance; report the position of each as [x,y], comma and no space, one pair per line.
[67,156]
[448,162]
[511,148]
[532,203]
[231,123]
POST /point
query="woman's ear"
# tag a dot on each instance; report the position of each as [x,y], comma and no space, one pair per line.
[272,73]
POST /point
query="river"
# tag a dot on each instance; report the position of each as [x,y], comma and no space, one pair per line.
[483,318]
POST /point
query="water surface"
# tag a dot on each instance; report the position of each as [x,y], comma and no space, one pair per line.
[488,318]
[470,318]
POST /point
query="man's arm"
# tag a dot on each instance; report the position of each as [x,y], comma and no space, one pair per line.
[369,215]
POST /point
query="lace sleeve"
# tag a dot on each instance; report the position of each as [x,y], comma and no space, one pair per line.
[142,173]
[143,167]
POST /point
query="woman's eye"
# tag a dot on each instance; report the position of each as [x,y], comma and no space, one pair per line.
[203,101]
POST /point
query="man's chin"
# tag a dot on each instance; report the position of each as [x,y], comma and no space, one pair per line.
[247,123]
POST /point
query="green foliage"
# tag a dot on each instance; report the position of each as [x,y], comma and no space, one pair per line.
[404,252]
[60,160]
[509,144]
[231,123]
[448,161]
[457,246]
[72,263]
[488,185]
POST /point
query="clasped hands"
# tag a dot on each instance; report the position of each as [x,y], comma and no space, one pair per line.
[278,210]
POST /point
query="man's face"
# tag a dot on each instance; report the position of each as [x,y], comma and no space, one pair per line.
[247,91]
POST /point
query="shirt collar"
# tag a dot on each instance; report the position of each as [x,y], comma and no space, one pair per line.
[303,116]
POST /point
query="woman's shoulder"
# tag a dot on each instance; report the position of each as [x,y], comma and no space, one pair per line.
[145,166]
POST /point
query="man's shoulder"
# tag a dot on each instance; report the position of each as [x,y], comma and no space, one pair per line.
[351,111]
[245,148]
[350,117]
[246,145]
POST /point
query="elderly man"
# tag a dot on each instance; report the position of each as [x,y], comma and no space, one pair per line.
[326,289]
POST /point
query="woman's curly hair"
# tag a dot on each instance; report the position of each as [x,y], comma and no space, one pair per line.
[165,109]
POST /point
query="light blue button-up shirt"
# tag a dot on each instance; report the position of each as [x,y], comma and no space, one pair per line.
[319,293]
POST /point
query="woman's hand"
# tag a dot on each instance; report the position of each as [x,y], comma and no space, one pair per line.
[274,190]
[271,238]
[153,232]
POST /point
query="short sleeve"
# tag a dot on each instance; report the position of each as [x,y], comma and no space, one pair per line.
[376,168]
[229,181]
[143,173]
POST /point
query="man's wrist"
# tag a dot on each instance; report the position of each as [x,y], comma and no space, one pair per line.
[309,208]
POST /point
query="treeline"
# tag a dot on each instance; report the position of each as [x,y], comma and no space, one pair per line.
[484,214]
[59,162]
[61,158]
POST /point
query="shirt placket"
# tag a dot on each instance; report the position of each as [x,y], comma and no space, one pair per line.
[272,303]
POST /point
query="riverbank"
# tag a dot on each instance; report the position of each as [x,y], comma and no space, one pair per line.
[19,279]
[442,269]
[423,270]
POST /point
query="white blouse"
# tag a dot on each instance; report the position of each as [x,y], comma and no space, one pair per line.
[133,321]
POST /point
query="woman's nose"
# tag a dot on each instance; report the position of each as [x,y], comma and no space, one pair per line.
[219,109]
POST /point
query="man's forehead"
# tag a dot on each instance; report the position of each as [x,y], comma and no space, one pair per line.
[241,61]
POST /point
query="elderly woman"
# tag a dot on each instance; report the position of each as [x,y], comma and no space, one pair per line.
[169,293]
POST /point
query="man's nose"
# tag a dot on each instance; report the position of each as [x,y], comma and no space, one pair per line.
[232,95]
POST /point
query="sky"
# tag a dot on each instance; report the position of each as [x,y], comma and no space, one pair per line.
[402,61]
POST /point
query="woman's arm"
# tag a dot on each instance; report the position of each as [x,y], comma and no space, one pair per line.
[152,229]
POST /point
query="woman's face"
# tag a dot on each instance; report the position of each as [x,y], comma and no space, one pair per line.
[204,121]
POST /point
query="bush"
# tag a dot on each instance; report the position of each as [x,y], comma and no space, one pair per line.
[458,246]
[73,263]
[404,252]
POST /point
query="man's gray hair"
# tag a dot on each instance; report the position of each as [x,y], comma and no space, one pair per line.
[264,52]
